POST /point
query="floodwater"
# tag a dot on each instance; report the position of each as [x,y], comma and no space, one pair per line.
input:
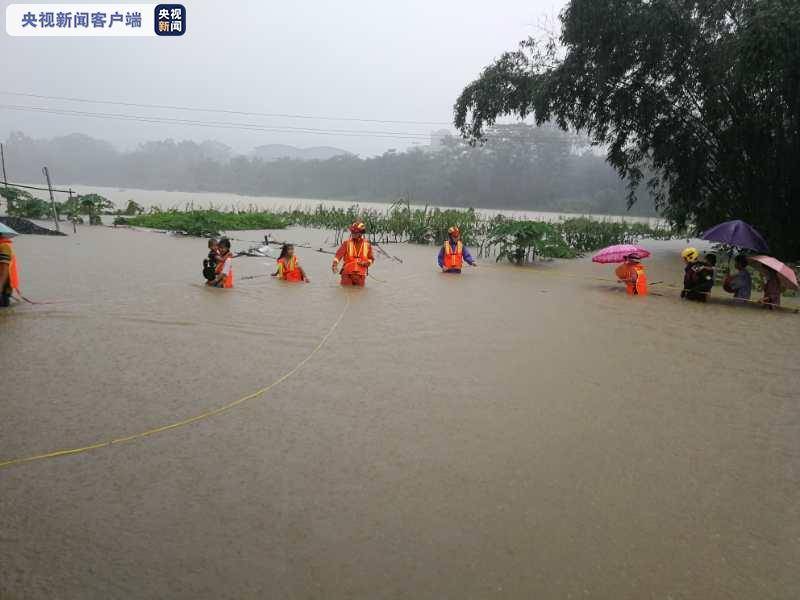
[227,201]
[509,433]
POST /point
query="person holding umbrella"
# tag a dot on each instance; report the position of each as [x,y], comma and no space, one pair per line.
[632,273]
[772,289]
[9,277]
[778,278]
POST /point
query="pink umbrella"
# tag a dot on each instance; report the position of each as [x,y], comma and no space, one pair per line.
[617,254]
[785,273]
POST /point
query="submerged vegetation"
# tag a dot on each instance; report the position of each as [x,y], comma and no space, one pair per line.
[505,238]
[204,223]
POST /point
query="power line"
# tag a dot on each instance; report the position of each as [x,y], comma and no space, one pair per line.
[397,135]
[33,187]
[223,110]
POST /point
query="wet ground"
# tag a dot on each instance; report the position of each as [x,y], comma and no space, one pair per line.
[509,433]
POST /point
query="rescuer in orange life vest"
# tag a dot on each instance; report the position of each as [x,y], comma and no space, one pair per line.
[223,277]
[289,268]
[357,257]
[453,253]
[632,273]
[9,277]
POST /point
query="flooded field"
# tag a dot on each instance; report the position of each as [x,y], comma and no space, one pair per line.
[226,201]
[509,433]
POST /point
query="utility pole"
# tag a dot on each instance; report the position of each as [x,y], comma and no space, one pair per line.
[72,216]
[52,199]
[3,159]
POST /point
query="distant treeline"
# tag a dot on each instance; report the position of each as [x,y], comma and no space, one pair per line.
[520,167]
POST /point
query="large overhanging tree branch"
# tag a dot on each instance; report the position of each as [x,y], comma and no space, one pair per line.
[699,98]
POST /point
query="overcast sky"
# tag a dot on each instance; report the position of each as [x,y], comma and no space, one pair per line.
[371,59]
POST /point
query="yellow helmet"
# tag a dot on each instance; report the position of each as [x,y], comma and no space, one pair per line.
[690,255]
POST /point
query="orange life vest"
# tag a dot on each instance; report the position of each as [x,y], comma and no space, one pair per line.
[227,281]
[639,287]
[453,259]
[13,273]
[354,256]
[288,269]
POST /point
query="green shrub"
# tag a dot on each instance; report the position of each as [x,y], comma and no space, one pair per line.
[522,241]
[22,203]
[205,223]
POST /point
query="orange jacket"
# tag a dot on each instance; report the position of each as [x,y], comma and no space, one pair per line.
[636,282]
[353,253]
[634,277]
[453,259]
[288,269]
[227,281]
[13,273]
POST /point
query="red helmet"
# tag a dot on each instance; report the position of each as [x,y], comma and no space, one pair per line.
[358,227]
[454,231]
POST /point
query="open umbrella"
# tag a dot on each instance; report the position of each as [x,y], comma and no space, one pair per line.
[617,254]
[6,231]
[736,233]
[785,273]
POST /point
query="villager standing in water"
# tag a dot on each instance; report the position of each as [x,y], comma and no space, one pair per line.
[739,284]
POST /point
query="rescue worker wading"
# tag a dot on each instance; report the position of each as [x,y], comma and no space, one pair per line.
[453,253]
[224,266]
[632,273]
[356,254]
[9,278]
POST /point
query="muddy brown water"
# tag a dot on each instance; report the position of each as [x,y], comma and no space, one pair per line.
[509,433]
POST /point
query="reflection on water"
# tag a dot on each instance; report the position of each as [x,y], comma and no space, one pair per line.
[524,433]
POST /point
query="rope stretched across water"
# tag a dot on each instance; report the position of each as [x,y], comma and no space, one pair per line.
[182,423]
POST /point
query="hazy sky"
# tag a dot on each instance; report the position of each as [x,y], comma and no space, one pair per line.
[375,59]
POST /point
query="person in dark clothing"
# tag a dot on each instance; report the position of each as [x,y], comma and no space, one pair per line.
[210,263]
[691,276]
[706,275]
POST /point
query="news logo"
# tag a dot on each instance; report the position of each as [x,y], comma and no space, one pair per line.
[106,19]
[170,19]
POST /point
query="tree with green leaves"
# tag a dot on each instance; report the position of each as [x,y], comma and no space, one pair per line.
[21,203]
[699,100]
[94,205]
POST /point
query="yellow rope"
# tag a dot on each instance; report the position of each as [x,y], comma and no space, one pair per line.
[205,415]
